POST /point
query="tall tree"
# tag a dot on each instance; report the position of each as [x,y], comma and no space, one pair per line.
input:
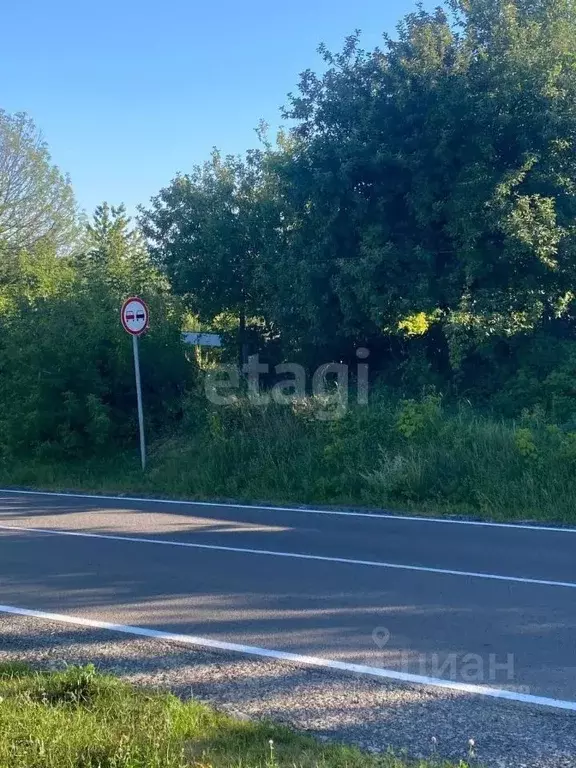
[36,199]
[206,230]
[430,184]
[115,250]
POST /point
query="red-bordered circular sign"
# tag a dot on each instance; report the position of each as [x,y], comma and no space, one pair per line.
[135,316]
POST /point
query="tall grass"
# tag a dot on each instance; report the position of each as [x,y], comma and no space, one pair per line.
[403,454]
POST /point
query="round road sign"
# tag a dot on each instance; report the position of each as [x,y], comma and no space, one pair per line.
[134,316]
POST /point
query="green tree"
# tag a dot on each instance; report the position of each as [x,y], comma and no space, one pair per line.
[428,187]
[36,199]
[35,274]
[206,231]
[114,250]
[66,369]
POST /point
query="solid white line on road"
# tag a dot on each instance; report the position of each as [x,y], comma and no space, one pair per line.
[359,669]
[293,555]
[304,510]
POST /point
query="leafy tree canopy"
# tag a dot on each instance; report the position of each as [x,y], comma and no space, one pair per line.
[36,199]
[424,191]
[434,178]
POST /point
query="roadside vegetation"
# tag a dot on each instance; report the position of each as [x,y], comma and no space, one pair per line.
[79,718]
[420,207]
[401,454]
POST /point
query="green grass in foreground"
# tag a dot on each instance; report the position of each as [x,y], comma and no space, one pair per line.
[405,455]
[82,719]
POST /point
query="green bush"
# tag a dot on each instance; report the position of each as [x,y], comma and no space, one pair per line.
[67,377]
[66,368]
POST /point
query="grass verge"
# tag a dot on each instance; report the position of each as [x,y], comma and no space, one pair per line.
[79,718]
[416,456]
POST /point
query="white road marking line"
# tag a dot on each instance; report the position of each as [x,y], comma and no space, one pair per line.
[304,510]
[293,555]
[359,669]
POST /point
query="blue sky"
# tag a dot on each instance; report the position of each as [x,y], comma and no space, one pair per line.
[128,93]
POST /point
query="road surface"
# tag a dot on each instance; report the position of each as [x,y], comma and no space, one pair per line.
[480,605]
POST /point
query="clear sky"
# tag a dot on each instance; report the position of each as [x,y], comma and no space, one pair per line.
[128,93]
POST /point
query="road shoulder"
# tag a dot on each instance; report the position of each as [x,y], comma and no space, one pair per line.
[414,720]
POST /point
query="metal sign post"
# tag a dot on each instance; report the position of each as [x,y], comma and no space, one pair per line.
[135,317]
[139,399]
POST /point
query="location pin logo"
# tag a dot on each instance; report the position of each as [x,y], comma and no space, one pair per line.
[380,636]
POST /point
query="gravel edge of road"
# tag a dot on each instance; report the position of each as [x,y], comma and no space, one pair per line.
[418,514]
[414,721]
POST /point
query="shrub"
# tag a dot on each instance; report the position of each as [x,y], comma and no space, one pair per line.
[66,371]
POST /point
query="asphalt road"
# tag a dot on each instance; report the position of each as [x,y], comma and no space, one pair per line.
[486,605]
